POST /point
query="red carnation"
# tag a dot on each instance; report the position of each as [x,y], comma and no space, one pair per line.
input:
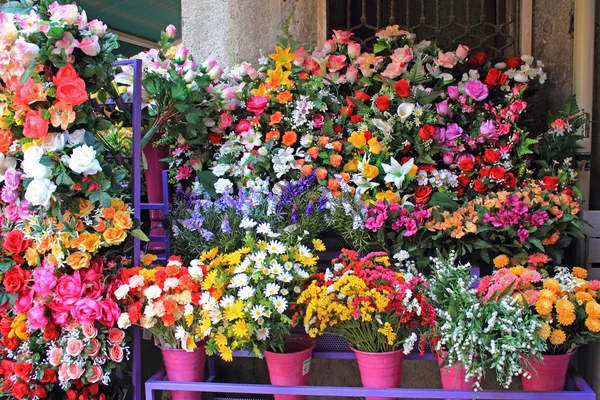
[479,186]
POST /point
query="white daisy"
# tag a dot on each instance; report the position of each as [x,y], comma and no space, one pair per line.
[246,292]
[275,247]
[262,333]
[276,269]
[284,292]
[280,304]
[271,289]
[258,257]
[304,251]
[288,265]
[239,280]
[257,312]
[227,301]
[242,267]
[264,228]
[285,277]
[247,223]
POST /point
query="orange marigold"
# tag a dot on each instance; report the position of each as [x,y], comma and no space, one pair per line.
[544,331]
[547,295]
[552,285]
[592,309]
[580,272]
[501,261]
[583,297]
[593,324]
[543,306]
[518,270]
[558,337]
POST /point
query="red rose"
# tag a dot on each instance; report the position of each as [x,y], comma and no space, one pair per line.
[14,242]
[495,77]
[214,137]
[241,126]
[479,186]
[427,168]
[15,279]
[426,132]
[511,181]
[514,62]
[460,191]
[347,111]
[20,390]
[498,173]
[65,74]
[49,376]
[406,148]
[355,119]
[466,164]
[464,180]
[50,332]
[383,103]
[568,191]
[485,171]
[337,128]
[550,183]
[423,193]
[362,96]
[40,391]
[478,59]
[71,394]
[402,87]
[491,156]
[23,370]
[257,104]
[11,343]
[368,135]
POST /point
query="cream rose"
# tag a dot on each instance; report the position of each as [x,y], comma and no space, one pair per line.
[53,142]
[76,137]
[39,192]
[83,161]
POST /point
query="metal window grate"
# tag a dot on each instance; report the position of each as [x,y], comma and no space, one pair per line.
[483,25]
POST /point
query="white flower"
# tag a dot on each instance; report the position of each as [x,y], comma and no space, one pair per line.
[188,309]
[221,169]
[148,322]
[227,301]
[383,126]
[521,77]
[285,277]
[264,228]
[75,138]
[409,343]
[405,110]
[171,283]
[257,312]
[271,289]
[396,172]
[246,292]
[239,280]
[280,304]
[6,163]
[136,281]
[53,142]
[275,247]
[152,292]
[402,255]
[363,184]
[31,163]
[122,292]
[247,223]
[83,161]
[242,267]
[262,333]
[258,257]
[223,186]
[123,322]
[39,192]
[195,271]
[304,251]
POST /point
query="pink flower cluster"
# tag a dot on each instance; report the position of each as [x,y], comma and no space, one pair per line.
[492,286]
[402,217]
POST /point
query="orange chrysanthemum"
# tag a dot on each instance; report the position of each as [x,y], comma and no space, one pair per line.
[543,306]
[558,337]
[552,285]
[501,261]
[593,324]
[580,272]
[592,309]
[544,331]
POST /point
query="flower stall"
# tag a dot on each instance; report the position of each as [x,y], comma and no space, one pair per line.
[423,162]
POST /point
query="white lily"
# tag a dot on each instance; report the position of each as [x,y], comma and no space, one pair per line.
[363,184]
[397,172]
[383,126]
[405,110]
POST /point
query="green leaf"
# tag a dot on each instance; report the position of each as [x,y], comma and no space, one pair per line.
[379,47]
[15,7]
[140,235]
[89,139]
[444,201]
[47,161]
[55,33]
[416,74]
[5,265]
[537,243]
[101,197]
[208,180]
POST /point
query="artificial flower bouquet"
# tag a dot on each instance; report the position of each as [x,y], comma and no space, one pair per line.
[165,301]
[368,304]
[252,293]
[498,331]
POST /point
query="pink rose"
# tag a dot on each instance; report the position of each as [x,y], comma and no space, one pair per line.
[96,375]
[329,46]
[443,108]
[95,349]
[89,331]
[171,31]
[24,51]
[353,50]
[74,371]
[36,317]
[74,347]
[402,55]
[181,54]
[224,121]
[446,60]
[68,43]
[70,289]
[257,104]
[9,195]
[86,311]
[242,126]
[12,178]
[54,356]
[12,212]
[116,353]
[63,13]
[110,312]
[393,70]
[97,27]
[35,126]
[44,280]
[594,285]
[462,51]
[24,301]
[318,120]
[351,74]
[476,90]
[90,46]
[215,72]
[63,376]
[453,92]
[335,63]
[24,212]
[116,336]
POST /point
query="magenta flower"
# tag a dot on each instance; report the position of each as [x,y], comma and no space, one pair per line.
[476,90]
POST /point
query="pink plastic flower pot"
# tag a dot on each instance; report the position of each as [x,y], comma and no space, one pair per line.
[379,370]
[549,375]
[184,366]
[453,378]
[292,367]
[154,189]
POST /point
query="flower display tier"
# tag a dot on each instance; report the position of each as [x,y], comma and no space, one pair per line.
[331,347]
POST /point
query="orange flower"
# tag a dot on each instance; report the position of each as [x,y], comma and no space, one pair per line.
[324,140]
[544,331]
[551,240]
[358,140]
[79,260]
[501,261]
[552,285]
[307,169]
[289,138]
[122,220]
[374,146]
[62,114]
[100,226]
[300,162]
[337,145]
[85,207]
[272,135]
[593,324]
[284,97]
[370,171]
[6,140]
[108,213]
[321,174]
[275,118]
[351,166]
[583,297]
[114,236]
[335,160]
[313,152]
[558,337]
[333,184]
[580,272]
[388,195]
[543,306]
[345,176]
[592,309]
[32,257]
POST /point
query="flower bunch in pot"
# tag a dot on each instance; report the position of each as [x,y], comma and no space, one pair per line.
[166,302]
[373,308]
[497,332]
[565,300]
[248,306]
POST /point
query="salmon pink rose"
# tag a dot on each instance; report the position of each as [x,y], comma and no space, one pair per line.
[95,348]
[35,126]
[116,336]
[30,92]
[335,63]
[72,92]
[96,374]
[74,347]
[74,371]
[116,353]
[257,104]
[89,331]
[55,356]
[64,75]
[6,140]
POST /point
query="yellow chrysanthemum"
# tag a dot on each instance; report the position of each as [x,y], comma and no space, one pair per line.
[501,261]
[543,306]
[234,311]
[552,285]
[592,309]
[518,270]
[318,245]
[580,272]
[593,324]
[544,331]
[240,329]
[226,353]
[564,306]
[558,337]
